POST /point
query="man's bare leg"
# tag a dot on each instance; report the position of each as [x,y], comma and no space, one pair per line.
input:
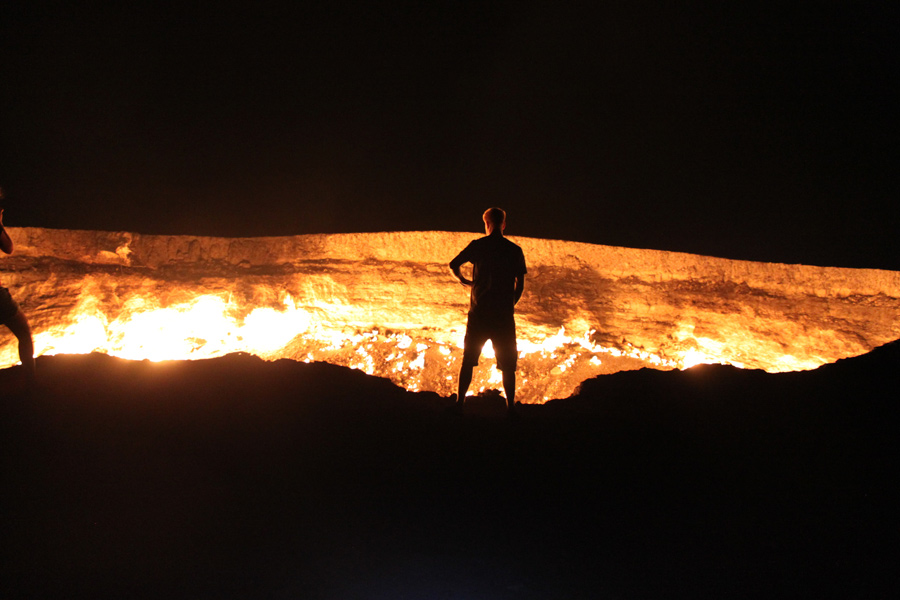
[509,386]
[18,324]
[465,380]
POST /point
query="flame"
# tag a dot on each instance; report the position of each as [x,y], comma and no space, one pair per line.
[204,327]
[383,304]
[211,325]
[692,358]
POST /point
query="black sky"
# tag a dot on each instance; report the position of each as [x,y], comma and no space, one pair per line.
[747,131]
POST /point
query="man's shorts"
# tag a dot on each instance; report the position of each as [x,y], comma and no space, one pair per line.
[8,306]
[502,333]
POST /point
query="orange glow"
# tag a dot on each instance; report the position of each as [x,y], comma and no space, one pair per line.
[208,325]
[386,304]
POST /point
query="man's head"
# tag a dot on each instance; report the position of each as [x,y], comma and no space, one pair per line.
[494,220]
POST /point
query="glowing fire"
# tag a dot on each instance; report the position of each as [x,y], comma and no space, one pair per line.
[386,304]
[205,327]
[208,326]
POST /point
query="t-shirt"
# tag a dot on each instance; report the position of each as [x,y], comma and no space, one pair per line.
[496,262]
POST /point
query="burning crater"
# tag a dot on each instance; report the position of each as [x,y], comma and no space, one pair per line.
[386,303]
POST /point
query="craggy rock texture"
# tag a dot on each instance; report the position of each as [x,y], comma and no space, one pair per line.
[623,307]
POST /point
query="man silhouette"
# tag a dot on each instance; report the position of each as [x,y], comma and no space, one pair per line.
[12,316]
[498,280]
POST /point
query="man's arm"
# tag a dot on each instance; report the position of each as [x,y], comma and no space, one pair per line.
[458,274]
[520,278]
[520,286]
[455,265]
[6,243]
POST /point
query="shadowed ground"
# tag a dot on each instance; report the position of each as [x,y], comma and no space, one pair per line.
[237,478]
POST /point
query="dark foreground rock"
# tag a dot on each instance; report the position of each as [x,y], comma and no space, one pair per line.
[237,478]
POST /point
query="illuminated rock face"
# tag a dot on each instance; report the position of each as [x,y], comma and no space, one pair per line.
[387,303]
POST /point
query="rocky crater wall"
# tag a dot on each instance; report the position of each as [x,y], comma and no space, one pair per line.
[642,307]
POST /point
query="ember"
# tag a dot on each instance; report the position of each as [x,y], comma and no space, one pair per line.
[386,303]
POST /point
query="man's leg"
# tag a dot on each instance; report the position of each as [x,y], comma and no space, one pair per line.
[507,358]
[465,380]
[509,387]
[18,324]
[472,345]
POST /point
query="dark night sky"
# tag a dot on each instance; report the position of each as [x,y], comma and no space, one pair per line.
[726,128]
